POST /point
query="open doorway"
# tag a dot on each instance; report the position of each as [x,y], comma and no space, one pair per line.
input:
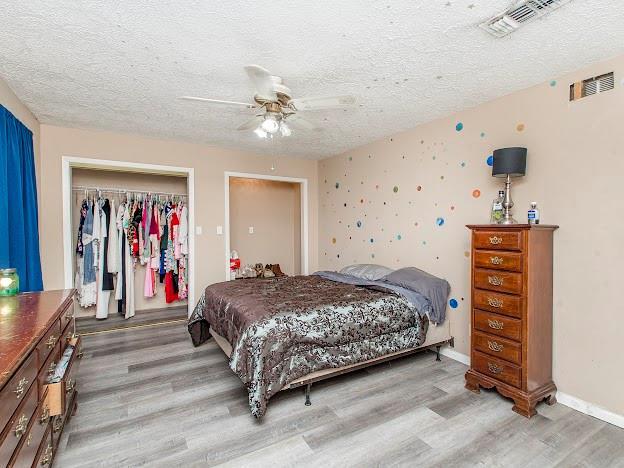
[266,222]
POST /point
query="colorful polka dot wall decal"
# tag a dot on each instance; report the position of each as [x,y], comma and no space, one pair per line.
[372,240]
[440,221]
[419,188]
[350,158]
[476,193]
[395,189]
[359,224]
[490,160]
[520,127]
[553,83]
[459,127]
[463,164]
[337,185]
[333,240]
[482,134]
[466,254]
[399,237]
[453,303]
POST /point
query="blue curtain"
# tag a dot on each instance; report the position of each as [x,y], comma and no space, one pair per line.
[19,225]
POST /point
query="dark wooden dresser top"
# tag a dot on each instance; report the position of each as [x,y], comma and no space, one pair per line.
[24,320]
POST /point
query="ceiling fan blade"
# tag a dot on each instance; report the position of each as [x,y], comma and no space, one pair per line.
[319,103]
[217,101]
[297,121]
[262,81]
[251,124]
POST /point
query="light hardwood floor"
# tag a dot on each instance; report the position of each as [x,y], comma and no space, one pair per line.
[147,397]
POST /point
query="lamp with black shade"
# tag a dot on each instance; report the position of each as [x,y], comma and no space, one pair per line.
[508,163]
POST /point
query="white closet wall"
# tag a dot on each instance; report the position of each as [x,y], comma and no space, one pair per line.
[130,181]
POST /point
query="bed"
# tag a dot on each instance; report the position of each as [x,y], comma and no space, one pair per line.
[286,332]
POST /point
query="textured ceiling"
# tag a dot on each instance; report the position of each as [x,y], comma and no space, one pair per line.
[121,65]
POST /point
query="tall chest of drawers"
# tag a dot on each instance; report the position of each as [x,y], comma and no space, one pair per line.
[36,330]
[511,323]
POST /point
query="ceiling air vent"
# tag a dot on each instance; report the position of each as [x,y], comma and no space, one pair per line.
[595,85]
[507,22]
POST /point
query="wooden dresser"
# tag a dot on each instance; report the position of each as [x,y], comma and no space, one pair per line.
[35,330]
[511,323]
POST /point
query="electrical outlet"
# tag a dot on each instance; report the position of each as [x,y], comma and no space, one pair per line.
[251,229]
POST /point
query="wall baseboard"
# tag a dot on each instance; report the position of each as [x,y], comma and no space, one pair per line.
[456,355]
[570,401]
[591,409]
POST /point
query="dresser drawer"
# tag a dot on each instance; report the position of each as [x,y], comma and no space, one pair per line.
[497,369]
[30,443]
[16,430]
[497,325]
[503,281]
[509,261]
[48,342]
[67,316]
[499,347]
[46,451]
[60,393]
[497,240]
[15,390]
[48,367]
[496,302]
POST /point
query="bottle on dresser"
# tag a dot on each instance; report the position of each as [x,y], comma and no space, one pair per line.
[533,214]
[497,212]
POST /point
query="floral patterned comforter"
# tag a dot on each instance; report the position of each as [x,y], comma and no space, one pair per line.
[284,328]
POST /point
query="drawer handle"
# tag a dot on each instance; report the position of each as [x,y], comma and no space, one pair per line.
[47,455]
[20,427]
[57,424]
[70,386]
[494,346]
[495,280]
[29,440]
[494,369]
[21,387]
[45,416]
[52,368]
[69,315]
[495,324]
[496,260]
[495,302]
[51,341]
[494,240]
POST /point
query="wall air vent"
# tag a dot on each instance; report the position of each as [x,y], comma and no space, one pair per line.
[595,85]
[510,20]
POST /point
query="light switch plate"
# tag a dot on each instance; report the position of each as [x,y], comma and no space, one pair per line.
[251,229]
[219,230]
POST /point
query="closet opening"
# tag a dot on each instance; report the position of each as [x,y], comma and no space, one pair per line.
[266,226]
[129,233]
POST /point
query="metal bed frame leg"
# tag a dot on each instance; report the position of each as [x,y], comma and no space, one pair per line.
[307,395]
[438,353]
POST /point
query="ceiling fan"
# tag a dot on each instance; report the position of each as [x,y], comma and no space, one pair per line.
[278,110]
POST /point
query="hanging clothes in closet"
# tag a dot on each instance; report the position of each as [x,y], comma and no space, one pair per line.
[143,232]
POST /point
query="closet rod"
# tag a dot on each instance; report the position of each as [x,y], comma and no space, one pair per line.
[79,188]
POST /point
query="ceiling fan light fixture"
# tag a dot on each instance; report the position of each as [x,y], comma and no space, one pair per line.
[260,132]
[285,129]
[270,123]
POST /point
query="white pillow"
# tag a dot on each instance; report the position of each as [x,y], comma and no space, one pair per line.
[367,271]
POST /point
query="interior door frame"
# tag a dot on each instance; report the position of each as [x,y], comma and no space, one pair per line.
[71,162]
[305,240]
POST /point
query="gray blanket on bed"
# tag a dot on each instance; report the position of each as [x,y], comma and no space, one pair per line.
[435,310]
